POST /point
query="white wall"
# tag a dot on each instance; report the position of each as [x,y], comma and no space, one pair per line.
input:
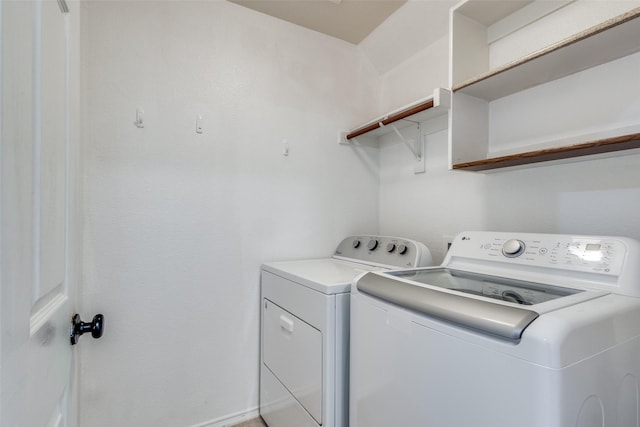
[416,77]
[177,224]
[599,196]
[588,197]
[414,26]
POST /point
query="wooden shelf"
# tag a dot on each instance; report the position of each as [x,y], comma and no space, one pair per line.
[575,97]
[625,142]
[424,109]
[613,39]
[425,105]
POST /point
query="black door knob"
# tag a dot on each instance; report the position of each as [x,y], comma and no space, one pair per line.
[78,327]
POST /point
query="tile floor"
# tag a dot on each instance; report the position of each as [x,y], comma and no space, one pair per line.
[256,422]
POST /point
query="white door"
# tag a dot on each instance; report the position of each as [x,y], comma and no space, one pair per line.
[39,222]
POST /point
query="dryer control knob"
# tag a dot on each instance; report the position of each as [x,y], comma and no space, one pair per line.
[391,247]
[373,244]
[513,248]
[402,249]
[356,243]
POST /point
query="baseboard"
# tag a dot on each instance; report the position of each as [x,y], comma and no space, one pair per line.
[232,419]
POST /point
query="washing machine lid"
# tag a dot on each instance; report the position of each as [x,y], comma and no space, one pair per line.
[326,275]
[498,288]
[499,306]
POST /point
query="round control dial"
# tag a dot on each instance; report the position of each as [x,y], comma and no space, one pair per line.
[403,249]
[373,244]
[356,244]
[513,248]
[391,247]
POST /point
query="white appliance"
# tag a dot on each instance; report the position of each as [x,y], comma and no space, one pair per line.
[305,329]
[512,329]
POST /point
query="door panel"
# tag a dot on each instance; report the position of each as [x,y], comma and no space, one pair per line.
[49,163]
[37,291]
[50,156]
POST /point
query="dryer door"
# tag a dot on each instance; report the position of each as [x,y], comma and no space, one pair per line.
[293,352]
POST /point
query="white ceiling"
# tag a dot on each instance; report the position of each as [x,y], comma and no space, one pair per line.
[349,20]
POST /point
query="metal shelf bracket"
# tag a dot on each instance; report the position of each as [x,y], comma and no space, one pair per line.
[414,145]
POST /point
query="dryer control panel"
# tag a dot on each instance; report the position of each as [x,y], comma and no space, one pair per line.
[384,251]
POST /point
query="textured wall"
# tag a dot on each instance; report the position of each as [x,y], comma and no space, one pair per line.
[178,223]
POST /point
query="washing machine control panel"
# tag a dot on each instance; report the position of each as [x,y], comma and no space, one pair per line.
[590,254]
[384,251]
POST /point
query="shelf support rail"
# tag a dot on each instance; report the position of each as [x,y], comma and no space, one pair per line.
[413,145]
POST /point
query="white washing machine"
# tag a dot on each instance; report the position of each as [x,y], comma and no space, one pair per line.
[304,359]
[513,329]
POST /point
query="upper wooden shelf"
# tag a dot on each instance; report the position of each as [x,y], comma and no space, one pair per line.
[610,40]
[574,97]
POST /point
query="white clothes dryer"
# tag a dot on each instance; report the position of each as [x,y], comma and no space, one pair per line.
[513,329]
[304,362]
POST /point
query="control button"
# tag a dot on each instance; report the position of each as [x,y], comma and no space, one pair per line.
[356,244]
[513,248]
[403,249]
[391,247]
[373,244]
[543,251]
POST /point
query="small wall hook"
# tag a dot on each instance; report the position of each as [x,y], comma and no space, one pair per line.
[139,118]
